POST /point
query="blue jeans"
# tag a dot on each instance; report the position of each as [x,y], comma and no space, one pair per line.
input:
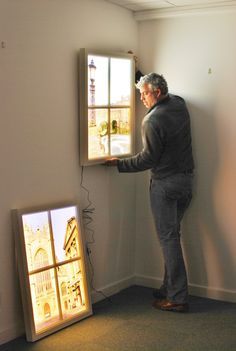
[170,198]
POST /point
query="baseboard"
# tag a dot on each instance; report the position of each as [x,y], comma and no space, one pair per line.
[213,293]
[194,289]
[111,289]
[147,281]
[12,332]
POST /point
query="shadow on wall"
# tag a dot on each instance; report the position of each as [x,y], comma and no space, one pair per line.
[207,248]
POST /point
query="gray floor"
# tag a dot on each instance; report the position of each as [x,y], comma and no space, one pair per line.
[128,322]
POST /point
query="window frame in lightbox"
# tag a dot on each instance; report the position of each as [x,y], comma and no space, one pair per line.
[113,136]
[56,231]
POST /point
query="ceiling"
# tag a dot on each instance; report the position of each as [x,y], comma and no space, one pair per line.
[172,6]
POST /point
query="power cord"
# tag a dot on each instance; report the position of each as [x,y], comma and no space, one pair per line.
[87,217]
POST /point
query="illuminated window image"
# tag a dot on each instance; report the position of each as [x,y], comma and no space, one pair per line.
[36,229]
[44,299]
[65,233]
[108,107]
[120,82]
[54,265]
[98,80]
[120,131]
[71,289]
[98,133]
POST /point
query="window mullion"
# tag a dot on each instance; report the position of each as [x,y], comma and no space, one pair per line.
[55,266]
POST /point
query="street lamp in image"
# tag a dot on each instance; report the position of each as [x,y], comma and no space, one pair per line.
[92,71]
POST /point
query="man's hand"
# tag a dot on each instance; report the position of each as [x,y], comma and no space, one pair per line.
[111,162]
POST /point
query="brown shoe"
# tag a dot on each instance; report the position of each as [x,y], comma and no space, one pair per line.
[166,305]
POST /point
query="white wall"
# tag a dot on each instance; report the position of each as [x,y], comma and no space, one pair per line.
[183,50]
[39,134]
[39,140]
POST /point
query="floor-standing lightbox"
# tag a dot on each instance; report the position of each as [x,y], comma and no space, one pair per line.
[52,268]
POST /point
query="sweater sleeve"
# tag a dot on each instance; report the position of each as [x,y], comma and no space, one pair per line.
[150,154]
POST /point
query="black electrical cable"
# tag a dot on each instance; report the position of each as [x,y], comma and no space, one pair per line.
[87,216]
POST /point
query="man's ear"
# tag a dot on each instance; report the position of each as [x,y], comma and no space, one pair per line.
[158,93]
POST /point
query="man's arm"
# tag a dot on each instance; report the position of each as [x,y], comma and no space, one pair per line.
[112,161]
[147,158]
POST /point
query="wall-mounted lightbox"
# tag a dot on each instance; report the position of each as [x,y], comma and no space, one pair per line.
[107,87]
[52,268]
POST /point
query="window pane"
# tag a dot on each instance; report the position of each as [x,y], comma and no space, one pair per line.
[65,233]
[71,287]
[97,133]
[97,80]
[44,299]
[37,240]
[120,81]
[120,131]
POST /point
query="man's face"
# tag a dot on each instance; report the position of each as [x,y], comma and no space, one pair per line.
[148,97]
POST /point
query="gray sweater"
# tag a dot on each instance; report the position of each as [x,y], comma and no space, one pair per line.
[166,137]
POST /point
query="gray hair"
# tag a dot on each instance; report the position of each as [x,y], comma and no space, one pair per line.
[155,81]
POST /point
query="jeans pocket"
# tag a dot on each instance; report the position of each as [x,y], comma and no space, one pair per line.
[175,194]
[178,187]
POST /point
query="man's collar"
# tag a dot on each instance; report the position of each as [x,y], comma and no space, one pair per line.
[162,99]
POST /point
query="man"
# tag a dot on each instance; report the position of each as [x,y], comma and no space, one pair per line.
[167,151]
